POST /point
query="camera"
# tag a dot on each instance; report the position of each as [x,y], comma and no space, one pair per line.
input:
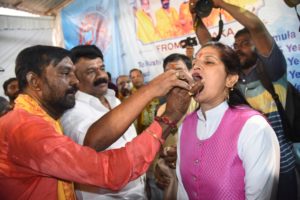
[189,41]
[203,8]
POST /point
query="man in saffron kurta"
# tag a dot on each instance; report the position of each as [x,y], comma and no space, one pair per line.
[38,162]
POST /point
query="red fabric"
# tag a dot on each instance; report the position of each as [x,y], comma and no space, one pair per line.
[33,156]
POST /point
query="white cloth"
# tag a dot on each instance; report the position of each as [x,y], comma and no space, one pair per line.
[258,148]
[76,122]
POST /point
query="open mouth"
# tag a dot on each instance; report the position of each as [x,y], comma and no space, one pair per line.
[197,77]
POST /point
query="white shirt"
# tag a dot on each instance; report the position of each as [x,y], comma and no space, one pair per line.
[76,122]
[258,148]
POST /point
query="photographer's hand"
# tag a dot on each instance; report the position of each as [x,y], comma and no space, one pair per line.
[217,3]
[192,5]
[262,39]
[201,31]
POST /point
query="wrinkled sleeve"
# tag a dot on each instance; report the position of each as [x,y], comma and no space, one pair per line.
[36,146]
[275,63]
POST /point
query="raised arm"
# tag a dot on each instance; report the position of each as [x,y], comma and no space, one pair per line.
[201,31]
[112,125]
[259,34]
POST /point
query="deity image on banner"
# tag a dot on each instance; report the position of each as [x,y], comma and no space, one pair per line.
[157,20]
[94,29]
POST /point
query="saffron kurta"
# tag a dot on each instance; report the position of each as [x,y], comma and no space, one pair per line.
[34,156]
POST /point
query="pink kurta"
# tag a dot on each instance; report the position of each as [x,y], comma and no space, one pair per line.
[211,168]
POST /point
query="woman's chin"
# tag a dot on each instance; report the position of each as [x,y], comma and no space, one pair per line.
[198,97]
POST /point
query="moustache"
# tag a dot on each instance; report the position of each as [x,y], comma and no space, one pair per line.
[100,81]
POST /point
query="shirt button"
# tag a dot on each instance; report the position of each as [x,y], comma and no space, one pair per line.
[194,178]
[196,162]
[195,194]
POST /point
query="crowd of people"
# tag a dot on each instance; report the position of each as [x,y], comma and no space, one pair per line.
[205,128]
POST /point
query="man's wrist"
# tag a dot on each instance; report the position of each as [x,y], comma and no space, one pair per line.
[171,124]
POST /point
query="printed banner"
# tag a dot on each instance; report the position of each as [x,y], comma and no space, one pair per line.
[140,33]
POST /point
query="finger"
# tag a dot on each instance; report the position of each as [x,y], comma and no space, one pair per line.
[162,185]
[162,181]
[170,159]
[182,84]
[184,75]
[192,6]
[171,152]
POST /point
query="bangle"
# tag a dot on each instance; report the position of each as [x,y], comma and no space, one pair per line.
[161,141]
[165,120]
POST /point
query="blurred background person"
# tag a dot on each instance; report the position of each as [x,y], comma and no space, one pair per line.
[11,89]
[111,85]
[147,115]
[4,106]
[124,87]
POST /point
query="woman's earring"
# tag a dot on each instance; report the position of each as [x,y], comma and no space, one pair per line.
[230,90]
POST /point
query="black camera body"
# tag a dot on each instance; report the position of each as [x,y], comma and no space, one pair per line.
[203,8]
[189,41]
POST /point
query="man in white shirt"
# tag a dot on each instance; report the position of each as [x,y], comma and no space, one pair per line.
[93,100]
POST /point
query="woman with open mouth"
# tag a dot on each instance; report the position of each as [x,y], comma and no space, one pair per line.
[225,150]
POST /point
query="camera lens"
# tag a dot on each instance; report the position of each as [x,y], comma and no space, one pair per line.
[203,8]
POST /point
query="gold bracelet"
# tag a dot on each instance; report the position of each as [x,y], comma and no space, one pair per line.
[161,141]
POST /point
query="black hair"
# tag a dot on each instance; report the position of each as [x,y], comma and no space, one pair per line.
[176,57]
[7,82]
[109,75]
[135,69]
[232,66]
[85,51]
[35,59]
[4,106]
[241,32]
[120,77]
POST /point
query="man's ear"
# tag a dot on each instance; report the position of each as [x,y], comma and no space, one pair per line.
[231,80]
[33,81]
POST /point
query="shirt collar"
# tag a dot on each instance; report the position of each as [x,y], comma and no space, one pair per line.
[94,101]
[214,113]
[85,97]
